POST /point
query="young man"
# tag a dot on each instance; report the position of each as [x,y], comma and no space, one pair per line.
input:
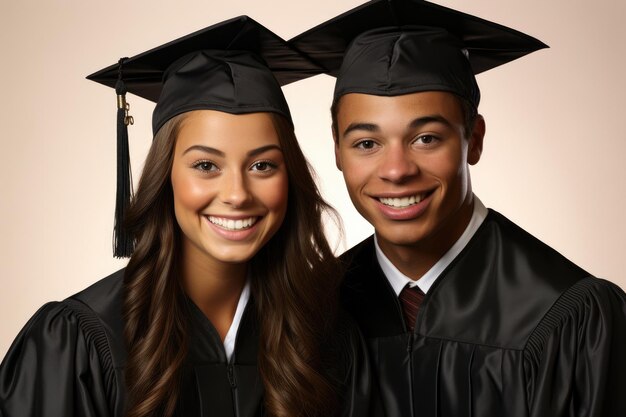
[465,313]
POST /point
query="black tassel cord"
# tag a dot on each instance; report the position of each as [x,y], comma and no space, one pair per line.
[123,242]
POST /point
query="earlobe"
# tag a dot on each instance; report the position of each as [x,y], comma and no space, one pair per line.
[475,149]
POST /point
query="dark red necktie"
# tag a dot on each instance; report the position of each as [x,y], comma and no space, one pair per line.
[410,298]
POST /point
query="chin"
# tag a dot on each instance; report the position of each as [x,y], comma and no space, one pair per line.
[235,258]
[230,255]
[401,233]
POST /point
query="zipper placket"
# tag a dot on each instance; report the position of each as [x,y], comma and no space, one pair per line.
[409,352]
[230,368]
[230,373]
[409,346]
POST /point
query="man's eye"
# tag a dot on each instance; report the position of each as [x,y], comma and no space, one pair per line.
[426,139]
[366,144]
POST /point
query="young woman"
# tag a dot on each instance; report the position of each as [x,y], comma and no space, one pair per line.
[228,304]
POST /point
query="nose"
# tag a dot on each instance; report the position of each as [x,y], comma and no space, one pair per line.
[397,165]
[234,190]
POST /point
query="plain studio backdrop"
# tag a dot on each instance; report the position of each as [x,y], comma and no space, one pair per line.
[553,157]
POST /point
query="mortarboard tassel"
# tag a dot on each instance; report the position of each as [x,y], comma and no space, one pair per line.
[123,242]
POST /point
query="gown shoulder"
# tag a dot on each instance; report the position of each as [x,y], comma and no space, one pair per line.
[62,363]
[574,360]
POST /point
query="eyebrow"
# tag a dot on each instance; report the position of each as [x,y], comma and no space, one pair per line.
[415,123]
[435,118]
[208,149]
[368,127]
[258,151]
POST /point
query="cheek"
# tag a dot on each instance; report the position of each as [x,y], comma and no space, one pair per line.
[275,194]
[189,193]
[448,165]
[356,170]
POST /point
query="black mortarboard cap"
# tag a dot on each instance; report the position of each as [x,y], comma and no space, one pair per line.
[394,47]
[236,66]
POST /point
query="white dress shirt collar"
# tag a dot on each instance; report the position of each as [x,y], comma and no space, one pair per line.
[231,336]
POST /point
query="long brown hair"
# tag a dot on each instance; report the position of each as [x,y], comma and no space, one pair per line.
[295,288]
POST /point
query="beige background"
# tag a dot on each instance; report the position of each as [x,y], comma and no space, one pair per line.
[553,158]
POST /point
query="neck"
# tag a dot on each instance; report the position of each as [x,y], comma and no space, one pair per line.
[415,259]
[215,287]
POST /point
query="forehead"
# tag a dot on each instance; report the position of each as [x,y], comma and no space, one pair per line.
[357,107]
[226,131]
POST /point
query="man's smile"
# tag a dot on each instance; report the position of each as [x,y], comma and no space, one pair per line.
[402,202]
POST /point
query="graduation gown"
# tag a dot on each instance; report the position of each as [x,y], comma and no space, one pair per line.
[510,328]
[69,361]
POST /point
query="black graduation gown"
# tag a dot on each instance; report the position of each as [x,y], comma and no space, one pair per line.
[69,360]
[510,328]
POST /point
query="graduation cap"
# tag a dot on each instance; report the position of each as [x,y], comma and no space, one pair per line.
[394,47]
[236,66]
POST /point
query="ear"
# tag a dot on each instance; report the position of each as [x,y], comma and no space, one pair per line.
[337,154]
[475,148]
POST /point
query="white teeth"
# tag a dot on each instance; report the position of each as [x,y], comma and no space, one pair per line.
[402,202]
[230,224]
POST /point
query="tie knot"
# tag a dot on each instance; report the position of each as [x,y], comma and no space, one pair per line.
[411,299]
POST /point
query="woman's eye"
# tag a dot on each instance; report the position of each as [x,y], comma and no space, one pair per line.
[263,166]
[365,144]
[206,166]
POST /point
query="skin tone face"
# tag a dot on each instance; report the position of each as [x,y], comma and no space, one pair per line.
[230,197]
[405,161]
